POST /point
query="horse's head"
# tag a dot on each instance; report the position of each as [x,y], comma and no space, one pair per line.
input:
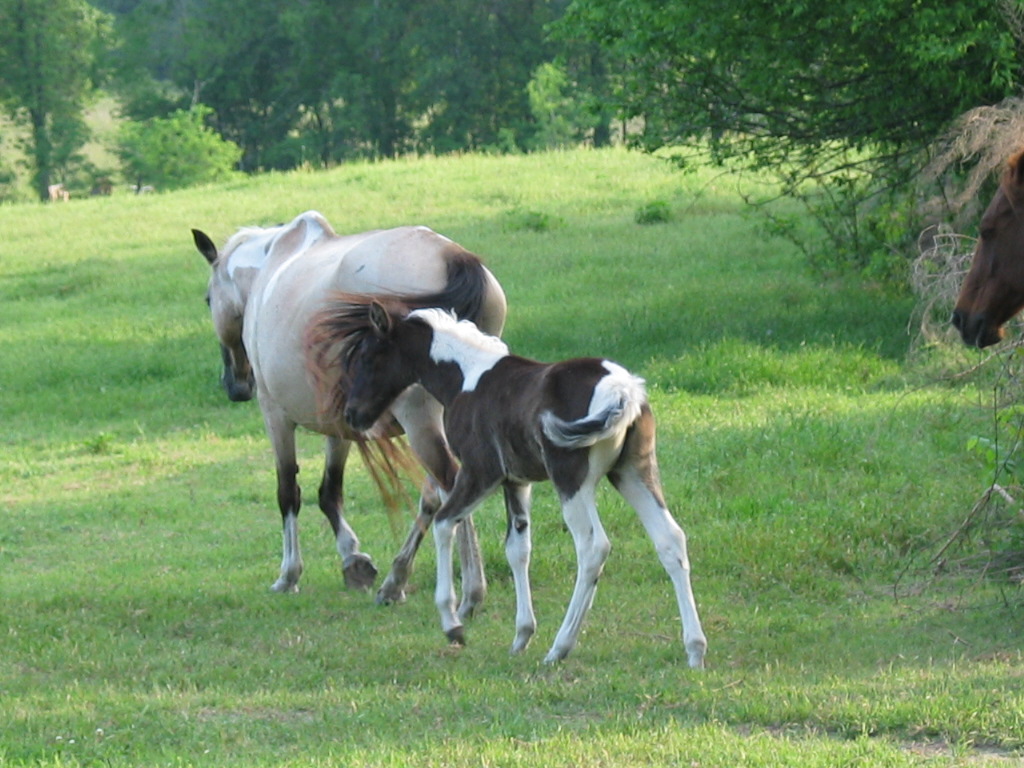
[375,364]
[226,296]
[993,291]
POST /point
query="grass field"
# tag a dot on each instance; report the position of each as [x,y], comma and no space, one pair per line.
[815,467]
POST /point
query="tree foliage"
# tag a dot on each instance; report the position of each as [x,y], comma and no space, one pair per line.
[317,82]
[177,151]
[847,94]
[50,61]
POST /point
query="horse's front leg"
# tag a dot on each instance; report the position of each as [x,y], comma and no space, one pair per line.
[421,417]
[465,497]
[357,567]
[518,545]
[393,589]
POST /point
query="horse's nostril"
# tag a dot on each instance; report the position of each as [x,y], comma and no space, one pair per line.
[957,319]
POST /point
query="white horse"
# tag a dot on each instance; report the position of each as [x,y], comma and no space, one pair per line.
[264,289]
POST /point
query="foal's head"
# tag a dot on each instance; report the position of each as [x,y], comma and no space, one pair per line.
[378,361]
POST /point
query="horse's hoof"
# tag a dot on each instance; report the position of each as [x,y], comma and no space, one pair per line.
[555,655]
[389,596]
[456,636]
[522,640]
[284,586]
[359,570]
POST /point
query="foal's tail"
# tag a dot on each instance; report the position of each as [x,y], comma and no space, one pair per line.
[616,404]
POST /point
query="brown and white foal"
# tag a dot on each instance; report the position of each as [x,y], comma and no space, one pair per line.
[512,421]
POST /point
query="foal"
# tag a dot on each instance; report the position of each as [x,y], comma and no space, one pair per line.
[513,421]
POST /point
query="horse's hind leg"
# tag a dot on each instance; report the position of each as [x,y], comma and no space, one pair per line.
[289,500]
[518,545]
[357,567]
[636,478]
[592,547]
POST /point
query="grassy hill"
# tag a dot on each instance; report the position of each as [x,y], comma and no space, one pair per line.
[813,467]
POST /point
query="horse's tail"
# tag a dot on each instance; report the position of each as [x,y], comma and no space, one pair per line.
[388,460]
[468,286]
[616,404]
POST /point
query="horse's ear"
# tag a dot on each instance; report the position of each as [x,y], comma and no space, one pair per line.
[1017,169]
[205,245]
[380,320]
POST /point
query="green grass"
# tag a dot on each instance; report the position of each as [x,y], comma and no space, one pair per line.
[814,468]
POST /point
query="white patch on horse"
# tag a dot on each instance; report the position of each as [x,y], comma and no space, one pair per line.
[429,231]
[248,255]
[619,387]
[315,228]
[462,343]
[616,401]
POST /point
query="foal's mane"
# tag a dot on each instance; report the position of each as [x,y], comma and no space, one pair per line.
[464,331]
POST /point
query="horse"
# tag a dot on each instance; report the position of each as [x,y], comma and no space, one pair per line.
[993,290]
[265,287]
[58,193]
[511,422]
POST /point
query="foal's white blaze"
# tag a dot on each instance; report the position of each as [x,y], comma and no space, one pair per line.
[461,342]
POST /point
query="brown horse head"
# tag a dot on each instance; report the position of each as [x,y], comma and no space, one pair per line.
[993,291]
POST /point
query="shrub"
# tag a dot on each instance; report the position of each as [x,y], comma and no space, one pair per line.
[655,212]
[177,151]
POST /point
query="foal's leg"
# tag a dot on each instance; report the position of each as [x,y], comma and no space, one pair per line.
[421,416]
[636,478]
[465,497]
[592,547]
[357,567]
[393,589]
[517,550]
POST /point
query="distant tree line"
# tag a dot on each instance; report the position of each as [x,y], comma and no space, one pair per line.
[312,82]
[320,81]
[847,95]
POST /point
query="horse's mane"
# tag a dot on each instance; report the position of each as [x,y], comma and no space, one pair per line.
[331,338]
[242,235]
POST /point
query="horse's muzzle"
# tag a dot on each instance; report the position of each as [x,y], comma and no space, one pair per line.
[359,420]
[238,391]
[975,330]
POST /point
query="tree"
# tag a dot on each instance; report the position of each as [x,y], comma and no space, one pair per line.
[561,118]
[848,93]
[50,55]
[178,151]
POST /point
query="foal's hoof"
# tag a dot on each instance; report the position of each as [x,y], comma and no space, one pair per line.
[359,571]
[389,595]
